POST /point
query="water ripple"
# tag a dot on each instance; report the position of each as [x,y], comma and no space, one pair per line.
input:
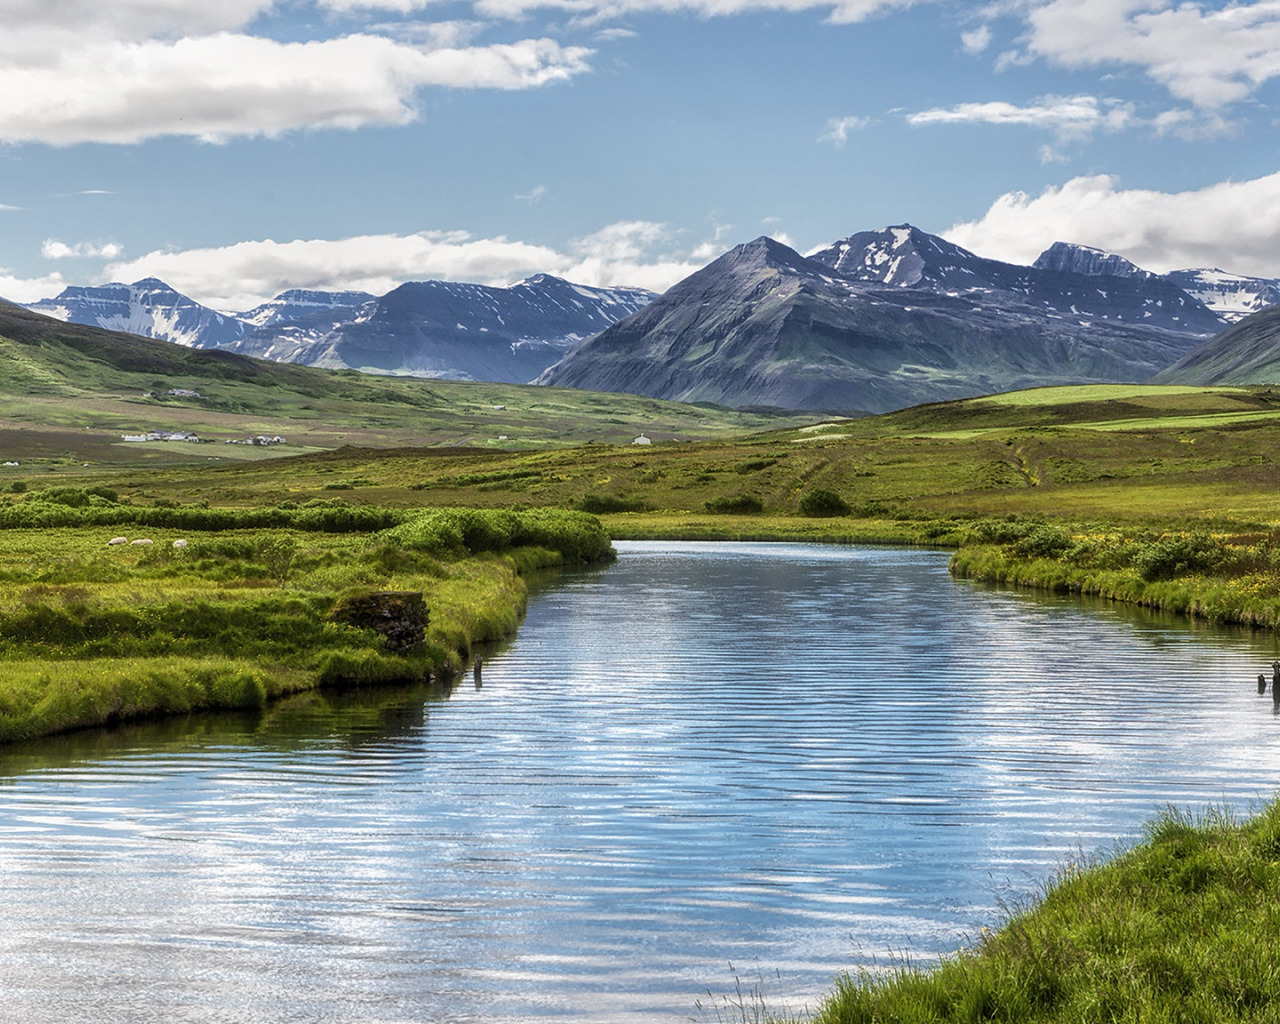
[796,757]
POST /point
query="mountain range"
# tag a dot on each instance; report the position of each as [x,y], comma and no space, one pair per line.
[434,329]
[890,318]
[876,321]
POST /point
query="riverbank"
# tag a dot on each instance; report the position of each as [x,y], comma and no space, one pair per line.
[99,627]
[1178,929]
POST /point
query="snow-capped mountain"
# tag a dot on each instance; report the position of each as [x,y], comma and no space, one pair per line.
[1062,282]
[1231,296]
[298,303]
[429,328]
[882,320]
[148,307]
[452,330]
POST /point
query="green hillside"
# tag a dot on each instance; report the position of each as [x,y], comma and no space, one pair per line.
[68,393]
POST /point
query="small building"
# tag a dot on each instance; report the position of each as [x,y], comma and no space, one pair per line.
[642,440]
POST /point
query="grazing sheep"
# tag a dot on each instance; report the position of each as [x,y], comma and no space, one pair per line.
[140,541]
[117,540]
[179,543]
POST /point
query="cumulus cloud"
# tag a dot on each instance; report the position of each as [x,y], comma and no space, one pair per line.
[1209,56]
[240,276]
[838,129]
[224,85]
[839,11]
[129,19]
[976,41]
[1068,117]
[29,289]
[1231,225]
[52,249]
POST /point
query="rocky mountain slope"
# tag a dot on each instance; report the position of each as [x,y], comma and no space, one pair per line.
[148,308]
[1247,352]
[882,320]
[451,330]
[1231,296]
[430,329]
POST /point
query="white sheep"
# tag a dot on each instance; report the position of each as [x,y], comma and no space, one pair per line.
[179,543]
[140,541]
[117,540]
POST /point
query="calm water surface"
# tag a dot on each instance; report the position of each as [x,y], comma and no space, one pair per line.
[792,759]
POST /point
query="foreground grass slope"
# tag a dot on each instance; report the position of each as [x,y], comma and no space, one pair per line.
[1164,496]
[206,611]
[1179,930]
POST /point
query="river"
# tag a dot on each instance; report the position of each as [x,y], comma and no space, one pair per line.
[791,759]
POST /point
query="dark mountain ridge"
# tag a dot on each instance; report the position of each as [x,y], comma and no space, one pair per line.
[882,320]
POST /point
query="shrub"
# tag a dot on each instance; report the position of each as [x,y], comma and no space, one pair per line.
[576,536]
[600,504]
[738,504]
[1172,557]
[820,503]
[1043,542]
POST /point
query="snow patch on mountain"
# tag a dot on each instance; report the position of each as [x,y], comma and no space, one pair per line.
[149,308]
[1231,296]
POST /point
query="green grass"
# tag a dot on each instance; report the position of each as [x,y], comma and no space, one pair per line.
[1168,497]
[1179,930]
[93,633]
[69,394]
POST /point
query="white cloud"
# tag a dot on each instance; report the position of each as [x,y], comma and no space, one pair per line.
[1231,225]
[838,129]
[129,19]
[840,11]
[239,276]
[1068,117]
[398,6]
[224,85]
[533,195]
[29,289]
[52,249]
[1209,56]
[976,41]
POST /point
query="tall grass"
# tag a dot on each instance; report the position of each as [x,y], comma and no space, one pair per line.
[92,633]
[1179,930]
[1230,579]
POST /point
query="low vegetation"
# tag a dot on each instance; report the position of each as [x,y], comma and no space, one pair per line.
[1167,497]
[232,608]
[1179,930]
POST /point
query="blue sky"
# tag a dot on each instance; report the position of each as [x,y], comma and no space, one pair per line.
[240,148]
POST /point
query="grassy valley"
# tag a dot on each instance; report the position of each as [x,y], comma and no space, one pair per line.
[228,579]
[69,394]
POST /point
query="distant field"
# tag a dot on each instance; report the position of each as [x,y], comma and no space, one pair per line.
[68,394]
[1166,455]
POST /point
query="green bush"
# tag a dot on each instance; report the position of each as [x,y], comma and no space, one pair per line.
[738,504]
[1169,558]
[576,536]
[820,503]
[602,504]
[1043,542]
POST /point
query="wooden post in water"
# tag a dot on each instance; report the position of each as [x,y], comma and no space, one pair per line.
[476,672]
[1262,684]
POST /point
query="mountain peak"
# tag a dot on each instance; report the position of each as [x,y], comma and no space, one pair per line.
[1084,259]
[900,255]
